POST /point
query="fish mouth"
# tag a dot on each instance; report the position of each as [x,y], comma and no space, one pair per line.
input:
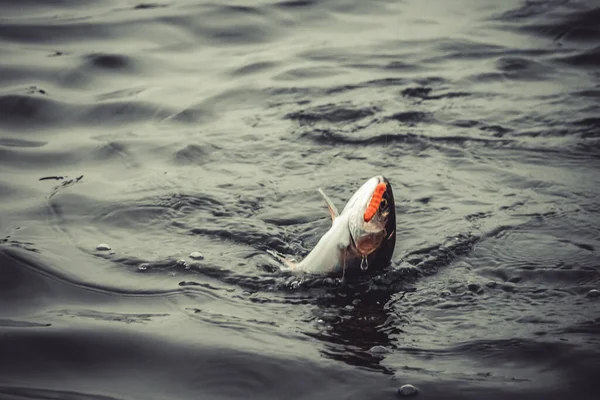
[378,240]
[367,244]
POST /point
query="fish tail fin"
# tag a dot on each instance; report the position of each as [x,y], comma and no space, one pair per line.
[290,263]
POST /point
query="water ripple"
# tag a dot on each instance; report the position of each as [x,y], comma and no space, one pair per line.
[166,129]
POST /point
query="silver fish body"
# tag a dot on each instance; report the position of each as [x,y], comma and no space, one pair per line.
[353,242]
[328,255]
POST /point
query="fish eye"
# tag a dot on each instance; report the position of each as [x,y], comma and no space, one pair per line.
[383,203]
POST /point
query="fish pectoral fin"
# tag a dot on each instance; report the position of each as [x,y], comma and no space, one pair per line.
[332,208]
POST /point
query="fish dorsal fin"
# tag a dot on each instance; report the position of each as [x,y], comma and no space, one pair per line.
[332,208]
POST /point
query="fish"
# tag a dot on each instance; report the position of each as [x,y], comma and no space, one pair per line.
[363,235]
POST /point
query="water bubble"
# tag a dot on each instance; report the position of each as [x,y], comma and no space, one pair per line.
[181,262]
[593,293]
[379,349]
[103,247]
[143,267]
[196,255]
[407,390]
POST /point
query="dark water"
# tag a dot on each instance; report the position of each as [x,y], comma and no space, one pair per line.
[183,126]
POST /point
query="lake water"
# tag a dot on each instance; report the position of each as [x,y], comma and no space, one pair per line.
[183,126]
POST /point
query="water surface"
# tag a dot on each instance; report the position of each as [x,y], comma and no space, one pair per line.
[173,127]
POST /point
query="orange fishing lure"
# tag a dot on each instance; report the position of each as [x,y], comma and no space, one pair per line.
[375,202]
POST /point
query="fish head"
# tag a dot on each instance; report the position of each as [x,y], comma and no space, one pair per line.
[372,220]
